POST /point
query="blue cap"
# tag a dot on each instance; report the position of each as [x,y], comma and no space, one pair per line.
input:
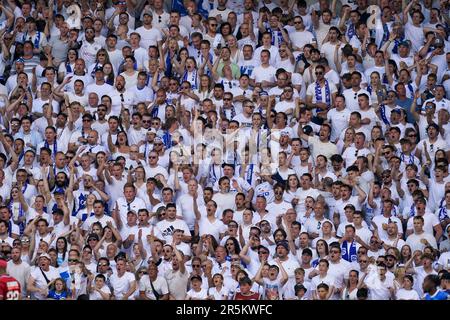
[20,60]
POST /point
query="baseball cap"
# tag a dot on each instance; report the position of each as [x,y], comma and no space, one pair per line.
[59,191]
[3,263]
[404,43]
[284,244]
[307,130]
[58,211]
[433,125]
[45,255]
[151,130]
[196,277]
[157,139]
[227,165]
[98,68]
[438,42]
[20,60]
[88,116]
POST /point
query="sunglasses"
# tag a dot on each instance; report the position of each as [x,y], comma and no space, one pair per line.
[73,260]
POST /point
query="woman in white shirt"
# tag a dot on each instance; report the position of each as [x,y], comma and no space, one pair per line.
[349,292]
[205,88]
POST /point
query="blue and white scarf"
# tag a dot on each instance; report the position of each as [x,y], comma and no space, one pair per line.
[318,94]
[383,114]
[411,158]
[276,36]
[386,34]
[167,140]
[213,176]
[168,72]
[443,214]
[55,148]
[192,80]
[36,41]
[351,31]
[351,255]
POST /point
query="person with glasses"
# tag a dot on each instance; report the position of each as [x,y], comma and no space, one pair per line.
[89,47]
[301,36]
[150,35]
[104,268]
[79,136]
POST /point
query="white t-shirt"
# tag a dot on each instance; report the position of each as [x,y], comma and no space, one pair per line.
[94,295]
[122,284]
[160,285]
[300,38]
[404,294]
[149,37]
[200,295]
[40,281]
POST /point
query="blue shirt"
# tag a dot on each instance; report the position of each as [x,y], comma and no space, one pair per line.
[439,295]
[57,296]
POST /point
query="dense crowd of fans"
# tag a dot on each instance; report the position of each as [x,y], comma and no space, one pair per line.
[220,149]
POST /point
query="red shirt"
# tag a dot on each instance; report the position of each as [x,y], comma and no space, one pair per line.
[240,296]
[9,288]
